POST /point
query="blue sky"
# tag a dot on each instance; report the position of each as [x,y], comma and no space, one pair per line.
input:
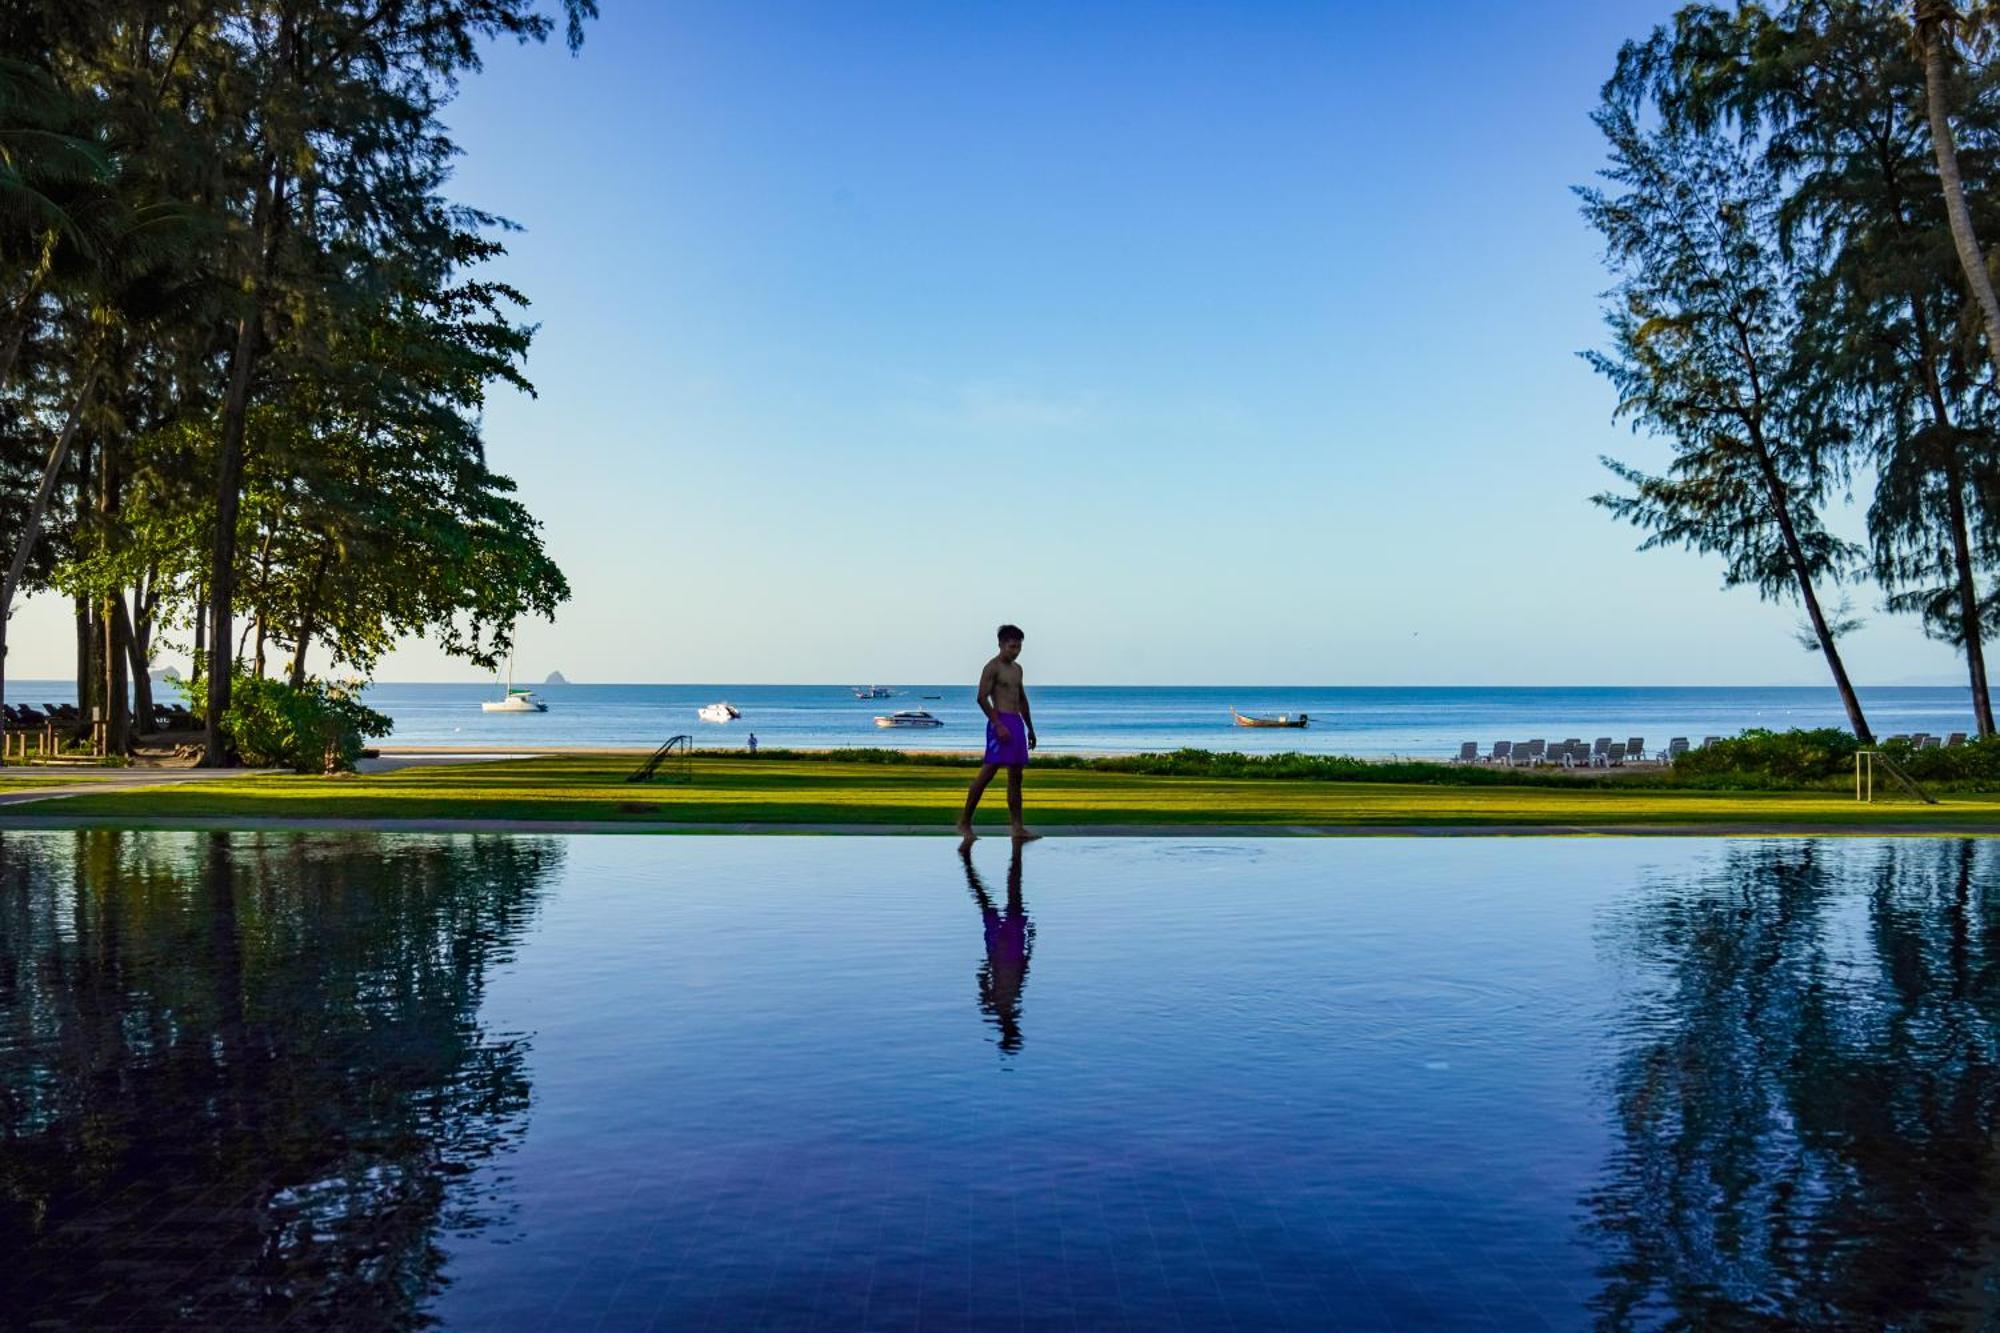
[1212,343]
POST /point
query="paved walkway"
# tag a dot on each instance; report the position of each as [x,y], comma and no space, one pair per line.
[97,781]
[54,783]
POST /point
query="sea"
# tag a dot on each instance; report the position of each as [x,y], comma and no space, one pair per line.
[1373,721]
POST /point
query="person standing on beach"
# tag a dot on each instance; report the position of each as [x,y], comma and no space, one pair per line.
[1010,732]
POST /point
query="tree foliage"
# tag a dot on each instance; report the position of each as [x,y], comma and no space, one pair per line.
[247,338]
[1835,105]
[1705,321]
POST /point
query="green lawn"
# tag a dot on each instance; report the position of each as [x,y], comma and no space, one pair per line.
[832,791]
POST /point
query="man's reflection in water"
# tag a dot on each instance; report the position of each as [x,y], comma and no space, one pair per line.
[1010,938]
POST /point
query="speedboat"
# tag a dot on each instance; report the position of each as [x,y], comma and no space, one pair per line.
[517,701]
[909,717]
[718,712]
[872,692]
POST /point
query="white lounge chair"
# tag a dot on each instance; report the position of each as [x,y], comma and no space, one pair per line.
[1635,750]
[1501,749]
[1676,747]
[1468,753]
[1956,739]
[1615,756]
[1933,743]
[1598,750]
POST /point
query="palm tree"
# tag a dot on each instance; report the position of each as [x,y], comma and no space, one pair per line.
[1936,30]
[52,172]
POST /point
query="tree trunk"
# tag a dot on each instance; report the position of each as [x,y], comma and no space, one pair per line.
[1933,18]
[1796,555]
[1848,698]
[140,646]
[1968,600]
[1971,636]
[200,634]
[87,659]
[306,627]
[38,509]
[117,630]
[229,467]
[263,592]
[111,622]
[309,617]
[222,565]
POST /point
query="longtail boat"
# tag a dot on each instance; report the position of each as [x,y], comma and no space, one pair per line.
[1281,720]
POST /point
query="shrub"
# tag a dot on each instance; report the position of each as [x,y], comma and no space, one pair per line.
[1974,762]
[316,728]
[1752,761]
[1780,757]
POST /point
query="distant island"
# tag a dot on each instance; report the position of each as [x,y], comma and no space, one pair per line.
[555,678]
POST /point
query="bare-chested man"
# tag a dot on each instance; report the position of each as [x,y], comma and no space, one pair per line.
[1010,732]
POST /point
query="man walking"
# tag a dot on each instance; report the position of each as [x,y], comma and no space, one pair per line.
[1010,732]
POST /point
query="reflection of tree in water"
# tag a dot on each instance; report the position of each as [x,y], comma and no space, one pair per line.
[237,1073]
[1806,1093]
[1010,938]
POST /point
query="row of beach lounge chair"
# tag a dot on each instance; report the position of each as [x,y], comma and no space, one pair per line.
[1573,753]
[1607,753]
[166,717]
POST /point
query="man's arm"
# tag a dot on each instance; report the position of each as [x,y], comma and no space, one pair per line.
[988,678]
[1027,718]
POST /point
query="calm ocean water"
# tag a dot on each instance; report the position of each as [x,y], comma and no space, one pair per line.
[1122,719]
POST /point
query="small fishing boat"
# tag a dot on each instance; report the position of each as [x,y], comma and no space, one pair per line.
[872,692]
[1281,720]
[909,717]
[723,711]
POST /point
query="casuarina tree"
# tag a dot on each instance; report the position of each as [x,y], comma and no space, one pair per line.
[1836,96]
[1705,325]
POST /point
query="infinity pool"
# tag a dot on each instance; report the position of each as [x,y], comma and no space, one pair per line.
[628,1082]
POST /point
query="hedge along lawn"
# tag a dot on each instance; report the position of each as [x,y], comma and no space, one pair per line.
[828,790]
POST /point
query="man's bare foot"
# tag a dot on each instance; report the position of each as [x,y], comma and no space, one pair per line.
[1022,833]
[964,827]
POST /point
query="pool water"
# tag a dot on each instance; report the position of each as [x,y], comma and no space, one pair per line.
[630,1082]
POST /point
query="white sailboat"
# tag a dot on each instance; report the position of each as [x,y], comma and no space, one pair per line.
[514,701]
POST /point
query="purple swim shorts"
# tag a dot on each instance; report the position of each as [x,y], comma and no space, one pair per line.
[1013,750]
